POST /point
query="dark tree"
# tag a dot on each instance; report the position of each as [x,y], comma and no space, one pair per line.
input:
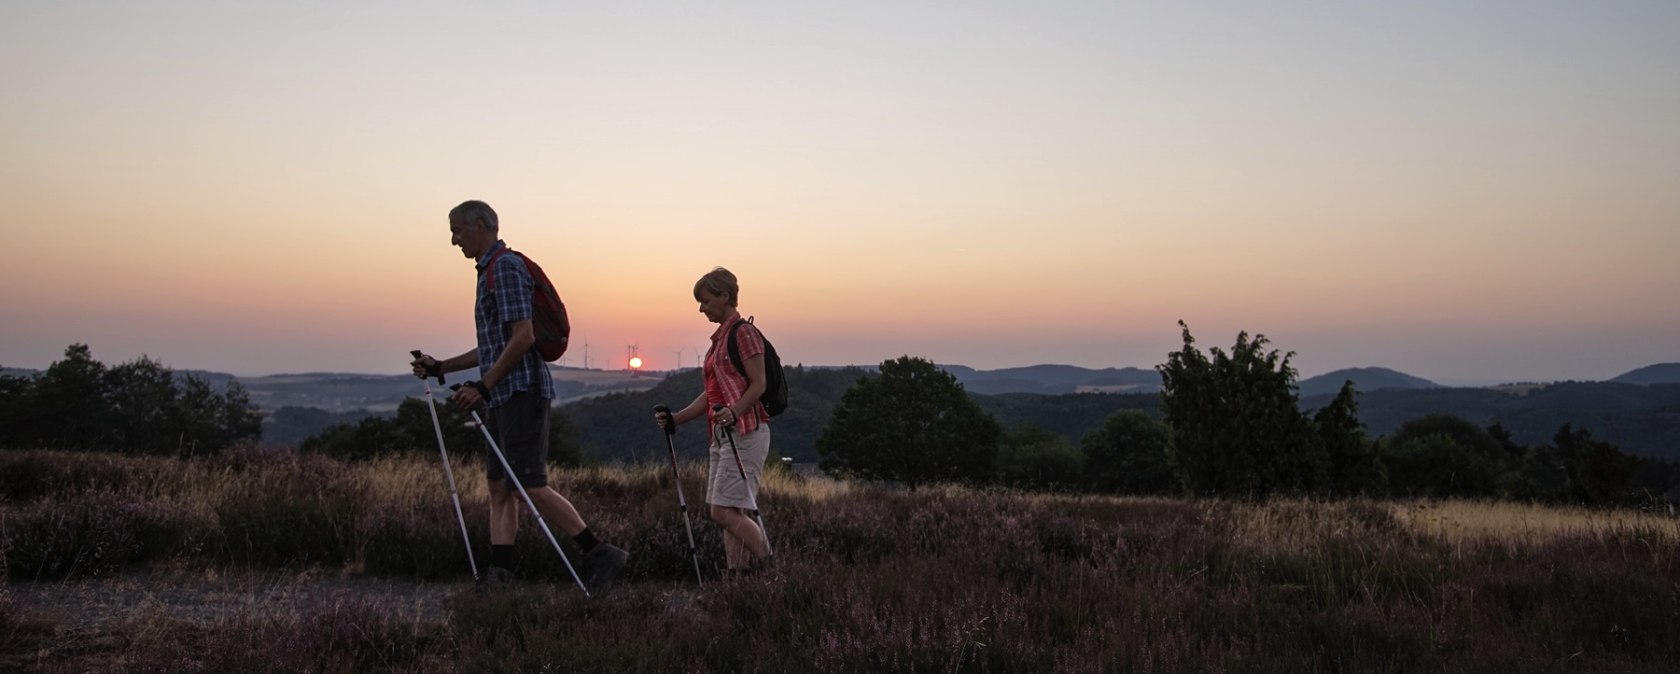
[68,408]
[1444,455]
[16,394]
[1598,472]
[236,418]
[1030,457]
[1236,421]
[1131,454]
[137,407]
[460,434]
[370,438]
[1355,467]
[146,417]
[411,431]
[912,423]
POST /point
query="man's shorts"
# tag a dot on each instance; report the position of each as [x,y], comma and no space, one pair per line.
[723,480]
[520,426]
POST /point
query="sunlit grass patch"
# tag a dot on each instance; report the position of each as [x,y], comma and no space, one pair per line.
[1459,523]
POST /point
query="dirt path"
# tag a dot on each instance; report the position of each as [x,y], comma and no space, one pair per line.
[203,598]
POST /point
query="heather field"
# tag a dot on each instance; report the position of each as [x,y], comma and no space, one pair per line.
[253,562]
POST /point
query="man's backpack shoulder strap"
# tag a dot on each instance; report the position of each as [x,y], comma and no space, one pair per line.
[490,267]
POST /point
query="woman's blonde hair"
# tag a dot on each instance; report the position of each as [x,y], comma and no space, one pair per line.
[719,281]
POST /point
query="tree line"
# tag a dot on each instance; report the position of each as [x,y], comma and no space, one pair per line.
[411,430]
[1229,424]
[137,407]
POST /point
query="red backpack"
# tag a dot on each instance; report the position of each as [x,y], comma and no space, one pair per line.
[548,313]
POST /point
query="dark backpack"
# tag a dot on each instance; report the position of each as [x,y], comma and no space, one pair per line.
[775,396]
[548,313]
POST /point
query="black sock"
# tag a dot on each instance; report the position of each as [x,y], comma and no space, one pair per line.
[502,556]
[586,540]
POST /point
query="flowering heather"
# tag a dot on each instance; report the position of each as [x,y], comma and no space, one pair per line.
[868,578]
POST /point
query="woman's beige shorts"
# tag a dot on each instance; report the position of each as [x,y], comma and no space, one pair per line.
[723,480]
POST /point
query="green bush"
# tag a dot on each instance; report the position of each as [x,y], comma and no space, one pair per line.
[1032,458]
[1131,454]
[1442,455]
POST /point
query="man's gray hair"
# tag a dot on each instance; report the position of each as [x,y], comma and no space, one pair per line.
[475,211]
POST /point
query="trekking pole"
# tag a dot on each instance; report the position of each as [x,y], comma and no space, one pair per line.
[512,477]
[682,501]
[751,494]
[448,473]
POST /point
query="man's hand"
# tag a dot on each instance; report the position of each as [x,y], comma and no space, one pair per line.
[470,395]
[426,366]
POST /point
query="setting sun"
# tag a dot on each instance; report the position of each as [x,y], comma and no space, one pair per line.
[635,363]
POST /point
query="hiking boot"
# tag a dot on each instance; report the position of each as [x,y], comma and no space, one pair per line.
[759,568]
[494,579]
[601,566]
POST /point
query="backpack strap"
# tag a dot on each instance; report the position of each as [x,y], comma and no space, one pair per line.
[735,351]
[490,282]
[490,267]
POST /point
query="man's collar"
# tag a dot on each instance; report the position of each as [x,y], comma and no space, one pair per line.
[485,258]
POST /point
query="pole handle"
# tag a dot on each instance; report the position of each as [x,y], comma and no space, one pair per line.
[731,423]
[670,428]
[416,353]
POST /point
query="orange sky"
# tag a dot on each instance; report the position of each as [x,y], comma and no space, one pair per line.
[1464,195]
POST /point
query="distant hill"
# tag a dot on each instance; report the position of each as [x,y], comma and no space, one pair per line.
[1661,373]
[290,425]
[619,426]
[382,393]
[1641,420]
[1055,379]
[1364,379]
[1069,415]
[341,398]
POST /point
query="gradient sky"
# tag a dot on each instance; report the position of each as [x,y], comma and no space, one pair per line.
[1468,192]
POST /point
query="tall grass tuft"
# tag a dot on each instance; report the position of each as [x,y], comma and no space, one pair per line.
[868,578]
[291,510]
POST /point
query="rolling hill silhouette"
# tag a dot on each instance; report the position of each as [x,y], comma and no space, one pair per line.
[1661,373]
[1363,378]
[1638,411]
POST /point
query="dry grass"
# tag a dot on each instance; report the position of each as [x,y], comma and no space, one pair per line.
[287,564]
[1462,524]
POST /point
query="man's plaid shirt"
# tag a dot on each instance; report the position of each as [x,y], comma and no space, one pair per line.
[510,301]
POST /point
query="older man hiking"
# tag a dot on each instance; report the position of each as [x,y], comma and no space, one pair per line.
[515,387]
